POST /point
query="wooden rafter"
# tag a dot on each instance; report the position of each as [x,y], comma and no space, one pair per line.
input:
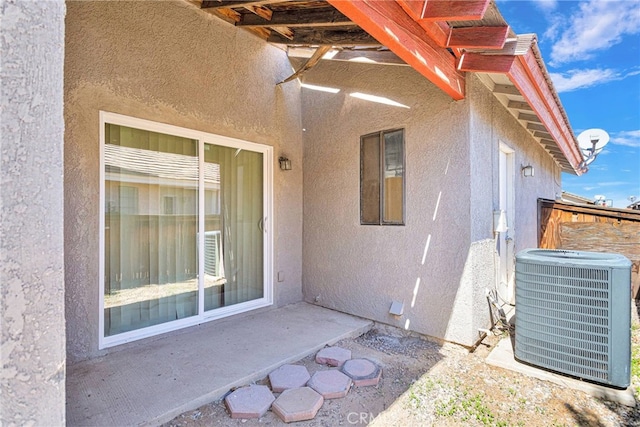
[228,15]
[216,4]
[285,32]
[414,8]
[311,62]
[261,11]
[445,10]
[478,37]
[544,134]
[456,38]
[326,17]
[392,27]
[550,145]
[506,90]
[528,117]
[536,127]
[519,105]
[455,10]
[438,31]
[476,62]
[336,36]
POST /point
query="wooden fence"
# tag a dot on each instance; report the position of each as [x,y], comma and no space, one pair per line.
[565,225]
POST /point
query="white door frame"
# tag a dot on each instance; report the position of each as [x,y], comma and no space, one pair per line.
[267,224]
[506,203]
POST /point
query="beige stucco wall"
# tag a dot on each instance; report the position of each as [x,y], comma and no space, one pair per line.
[175,64]
[32,348]
[492,124]
[362,269]
[441,262]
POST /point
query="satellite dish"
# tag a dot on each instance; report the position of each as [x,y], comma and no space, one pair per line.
[592,141]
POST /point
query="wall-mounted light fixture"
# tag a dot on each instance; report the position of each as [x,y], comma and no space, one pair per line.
[285,163]
[527,171]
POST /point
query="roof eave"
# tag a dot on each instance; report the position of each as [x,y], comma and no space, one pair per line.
[533,82]
[405,33]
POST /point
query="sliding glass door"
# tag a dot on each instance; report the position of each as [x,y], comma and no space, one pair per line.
[184,237]
[233,226]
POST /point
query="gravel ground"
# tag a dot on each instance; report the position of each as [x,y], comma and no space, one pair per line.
[426,383]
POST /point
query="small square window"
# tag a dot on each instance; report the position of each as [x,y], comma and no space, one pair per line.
[382,179]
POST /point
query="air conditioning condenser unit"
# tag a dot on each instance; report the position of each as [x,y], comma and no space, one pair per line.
[573,313]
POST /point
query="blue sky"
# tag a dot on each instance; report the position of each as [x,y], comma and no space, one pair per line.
[592,52]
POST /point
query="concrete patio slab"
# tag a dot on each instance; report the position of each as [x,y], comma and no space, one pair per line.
[151,381]
[333,356]
[502,357]
[331,384]
[288,376]
[297,404]
[363,372]
[252,401]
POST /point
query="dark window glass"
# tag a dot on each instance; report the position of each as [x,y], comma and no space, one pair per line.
[382,178]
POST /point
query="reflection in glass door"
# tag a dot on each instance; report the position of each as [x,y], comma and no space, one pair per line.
[233,262]
[183,228]
[151,206]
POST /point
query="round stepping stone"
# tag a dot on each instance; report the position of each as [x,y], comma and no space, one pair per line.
[333,356]
[331,384]
[288,376]
[249,402]
[297,404]
[363,372]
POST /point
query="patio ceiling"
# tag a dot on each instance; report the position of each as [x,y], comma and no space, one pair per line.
[441,39]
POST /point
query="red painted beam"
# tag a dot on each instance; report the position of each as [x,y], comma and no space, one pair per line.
[388,23]
[478,37]
[529,78]
[445,10]
[456,38]
[455,10]
[440,32]
[476,62]
[414,8]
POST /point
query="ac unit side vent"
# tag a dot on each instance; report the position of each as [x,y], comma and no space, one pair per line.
[212,253]
[573,313]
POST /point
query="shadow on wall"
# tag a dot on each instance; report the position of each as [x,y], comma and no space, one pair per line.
[470,312]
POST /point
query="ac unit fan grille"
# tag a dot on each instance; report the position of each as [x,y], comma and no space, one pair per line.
[563,318]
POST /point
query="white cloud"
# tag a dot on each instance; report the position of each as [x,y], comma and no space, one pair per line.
[580,79]
[613,184]
[597,25]
[629,138]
